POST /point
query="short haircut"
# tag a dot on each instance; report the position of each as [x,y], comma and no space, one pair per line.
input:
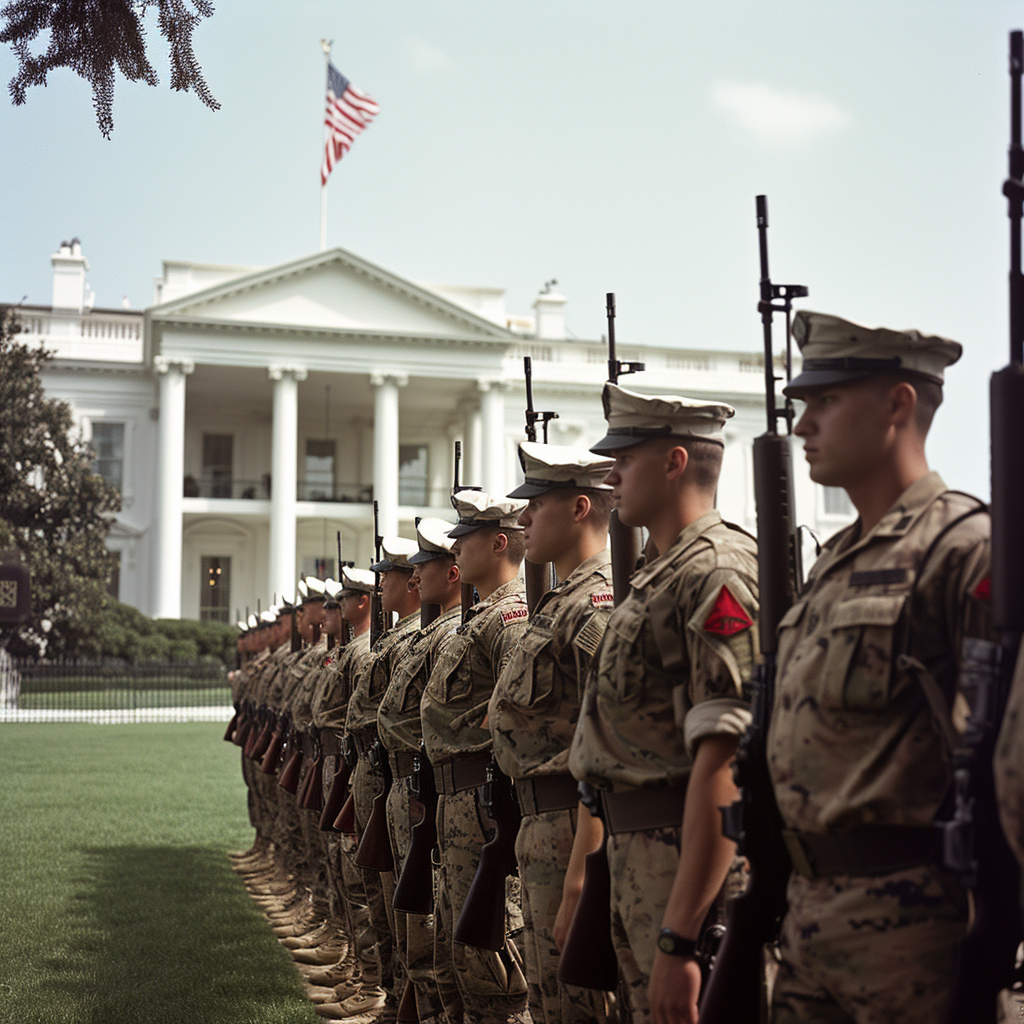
[515,550]
[705,459]
[600,502]
[929,395]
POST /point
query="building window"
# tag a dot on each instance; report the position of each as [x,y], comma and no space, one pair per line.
[108,443]
[836,502]
[215,595]
[319,471]
[217,462]
[412,474]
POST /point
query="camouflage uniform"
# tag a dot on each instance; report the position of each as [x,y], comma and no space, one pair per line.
[532,716]
[491,985]
[670,672]
[398,722]
[854,742]
[367,782]
[1009,763]
[329,709]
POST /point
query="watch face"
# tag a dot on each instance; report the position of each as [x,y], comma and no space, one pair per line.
[665,943]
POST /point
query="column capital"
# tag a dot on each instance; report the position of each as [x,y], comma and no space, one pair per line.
[483,385]
[164,364]
[381,377]
[277,372]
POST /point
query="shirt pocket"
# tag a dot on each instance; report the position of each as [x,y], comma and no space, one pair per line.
[858,670]
[621,649]
[531,669]
[453,670]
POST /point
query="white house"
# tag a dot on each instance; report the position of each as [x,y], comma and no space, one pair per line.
[253,414]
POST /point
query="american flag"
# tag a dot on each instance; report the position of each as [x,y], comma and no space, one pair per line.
[349,111]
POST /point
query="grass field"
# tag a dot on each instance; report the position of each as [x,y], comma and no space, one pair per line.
[117,904]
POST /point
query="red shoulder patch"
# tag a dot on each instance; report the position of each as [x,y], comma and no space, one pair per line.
[728,616]
[514,615]
[983,591]
[603,600]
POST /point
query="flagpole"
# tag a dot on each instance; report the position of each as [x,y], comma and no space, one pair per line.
[326,47]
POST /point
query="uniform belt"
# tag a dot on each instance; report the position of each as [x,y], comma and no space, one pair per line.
[462,773]
[546,793]
[308,744]
[868,850]
[362,742]
[637,810]
[403,763]
[330,742]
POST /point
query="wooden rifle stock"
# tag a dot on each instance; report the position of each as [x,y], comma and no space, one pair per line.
[414,893]
[259,748]
[336,798]
[588,956]
[482,921]
[313,799]
[974,842]
[374,852]
[244,725]
[407,1010]
[346,819]
[288,780]
[537,576]
[232,725]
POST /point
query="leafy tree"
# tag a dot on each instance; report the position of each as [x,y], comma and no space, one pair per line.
[53,508]
[91,36]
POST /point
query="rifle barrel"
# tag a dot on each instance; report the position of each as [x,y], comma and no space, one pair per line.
[613,362]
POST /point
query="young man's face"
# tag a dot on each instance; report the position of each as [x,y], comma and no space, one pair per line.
[845,430]
[547,524]
[394,586]
[332,621]
[352,607]
[475,555]
[639,481]
[432,579]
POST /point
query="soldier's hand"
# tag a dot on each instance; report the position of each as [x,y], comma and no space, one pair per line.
[674,989]
[564,917]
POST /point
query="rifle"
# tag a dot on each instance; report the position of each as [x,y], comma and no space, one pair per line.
[428,612]
[482,921]
[736,990]
[624,540]
[538,576]
[468,591]
[376,600]
[414,893]
[588,957]
[374,852]
[974,844]
[346,626]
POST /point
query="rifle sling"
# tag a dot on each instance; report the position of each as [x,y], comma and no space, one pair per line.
[544,793]
[463,773]
[638,810]
[865,851]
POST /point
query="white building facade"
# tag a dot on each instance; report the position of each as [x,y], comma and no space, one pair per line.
[252,415]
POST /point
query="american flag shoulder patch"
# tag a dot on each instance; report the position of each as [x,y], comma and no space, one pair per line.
[514,615]
[604,599]
[728,616]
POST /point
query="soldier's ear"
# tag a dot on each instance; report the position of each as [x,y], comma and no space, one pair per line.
[676,461]
[453,574]
[582,508]
[500,542]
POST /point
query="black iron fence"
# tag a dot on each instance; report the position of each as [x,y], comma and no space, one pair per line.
[113,691]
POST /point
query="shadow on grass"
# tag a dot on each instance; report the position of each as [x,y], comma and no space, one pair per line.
[163,935]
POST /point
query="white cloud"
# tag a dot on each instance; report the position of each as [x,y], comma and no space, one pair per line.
[776,117]
[424,56]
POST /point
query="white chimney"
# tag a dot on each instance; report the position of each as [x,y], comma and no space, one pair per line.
[549,308]
[69,267]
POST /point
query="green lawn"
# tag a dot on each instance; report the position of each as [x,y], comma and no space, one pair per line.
[117,904]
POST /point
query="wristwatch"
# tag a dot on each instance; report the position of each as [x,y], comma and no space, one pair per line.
[675,945]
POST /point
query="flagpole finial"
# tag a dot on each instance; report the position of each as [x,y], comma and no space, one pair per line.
[325,45]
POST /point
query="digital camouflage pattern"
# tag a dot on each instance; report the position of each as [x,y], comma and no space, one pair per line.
[491,985]
[329,704]
[543,848]
[853,742]
[535,705]
[672,666]
[455,699]
[398,717]
[1009,764]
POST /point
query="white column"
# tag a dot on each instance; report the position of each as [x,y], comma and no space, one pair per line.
[171,434]
[385,447]
[472,468]
[284,446]
[492,435]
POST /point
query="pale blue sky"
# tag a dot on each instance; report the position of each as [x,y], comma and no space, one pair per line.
[611,146]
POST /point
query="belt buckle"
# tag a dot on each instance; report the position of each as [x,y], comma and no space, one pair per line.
[797,854]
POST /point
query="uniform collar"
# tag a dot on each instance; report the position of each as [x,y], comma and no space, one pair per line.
[897,522]
[514,587]
[687,537]
[586,568]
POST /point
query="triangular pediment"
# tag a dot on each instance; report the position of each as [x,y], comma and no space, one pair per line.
[333,290]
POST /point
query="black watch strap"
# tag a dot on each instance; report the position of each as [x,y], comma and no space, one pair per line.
[675,945]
